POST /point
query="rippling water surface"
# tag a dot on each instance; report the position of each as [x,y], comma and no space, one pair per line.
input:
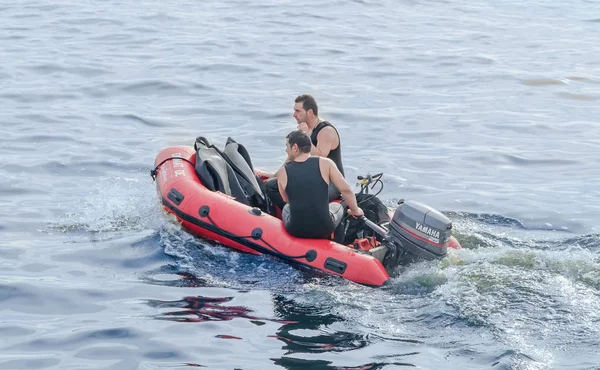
[487,111]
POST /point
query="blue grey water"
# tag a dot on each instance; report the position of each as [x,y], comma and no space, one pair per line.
[486,110]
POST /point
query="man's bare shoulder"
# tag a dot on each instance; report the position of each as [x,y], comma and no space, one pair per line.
[326,161]
[327,131]
[281,172]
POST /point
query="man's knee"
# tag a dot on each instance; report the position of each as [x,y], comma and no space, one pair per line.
[337,211]
[285,215]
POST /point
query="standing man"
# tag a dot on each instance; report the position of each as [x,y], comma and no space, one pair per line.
[325,142]
[303,184]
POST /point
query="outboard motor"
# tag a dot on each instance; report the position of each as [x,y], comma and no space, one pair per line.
[418,233]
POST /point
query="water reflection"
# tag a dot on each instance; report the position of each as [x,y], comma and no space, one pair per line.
[304,332]
[307,330]
[200,309]
[297,364]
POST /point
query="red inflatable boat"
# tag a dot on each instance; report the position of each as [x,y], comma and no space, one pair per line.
[415,231]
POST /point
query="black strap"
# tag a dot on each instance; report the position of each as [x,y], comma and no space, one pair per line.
[155,170]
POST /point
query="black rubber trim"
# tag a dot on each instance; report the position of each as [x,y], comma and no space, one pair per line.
[255,211]
[212,228]
[204,211]
[335,265]
[331,263]
[175,196]
[257,234]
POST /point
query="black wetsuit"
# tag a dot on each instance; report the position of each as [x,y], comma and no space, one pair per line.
[335,155]
[307,192]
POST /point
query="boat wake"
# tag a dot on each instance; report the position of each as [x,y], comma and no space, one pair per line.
[528,290]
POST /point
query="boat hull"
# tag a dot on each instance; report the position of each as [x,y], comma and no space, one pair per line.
[218,217]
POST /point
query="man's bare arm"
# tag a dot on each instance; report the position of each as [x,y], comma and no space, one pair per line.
[342,185]
[270,175]
[326,141]
[282,183]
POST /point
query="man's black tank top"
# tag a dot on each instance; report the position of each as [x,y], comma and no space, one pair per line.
[308,200]
[336,154]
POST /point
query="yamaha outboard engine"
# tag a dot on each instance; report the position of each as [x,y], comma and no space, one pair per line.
[418,232]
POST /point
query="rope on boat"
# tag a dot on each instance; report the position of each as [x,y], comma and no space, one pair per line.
[257,238]
[155,170]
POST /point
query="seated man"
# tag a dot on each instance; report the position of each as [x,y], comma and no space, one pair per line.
[303,183]
[325,142]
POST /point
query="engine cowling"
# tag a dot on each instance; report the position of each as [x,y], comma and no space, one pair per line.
[419,232]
